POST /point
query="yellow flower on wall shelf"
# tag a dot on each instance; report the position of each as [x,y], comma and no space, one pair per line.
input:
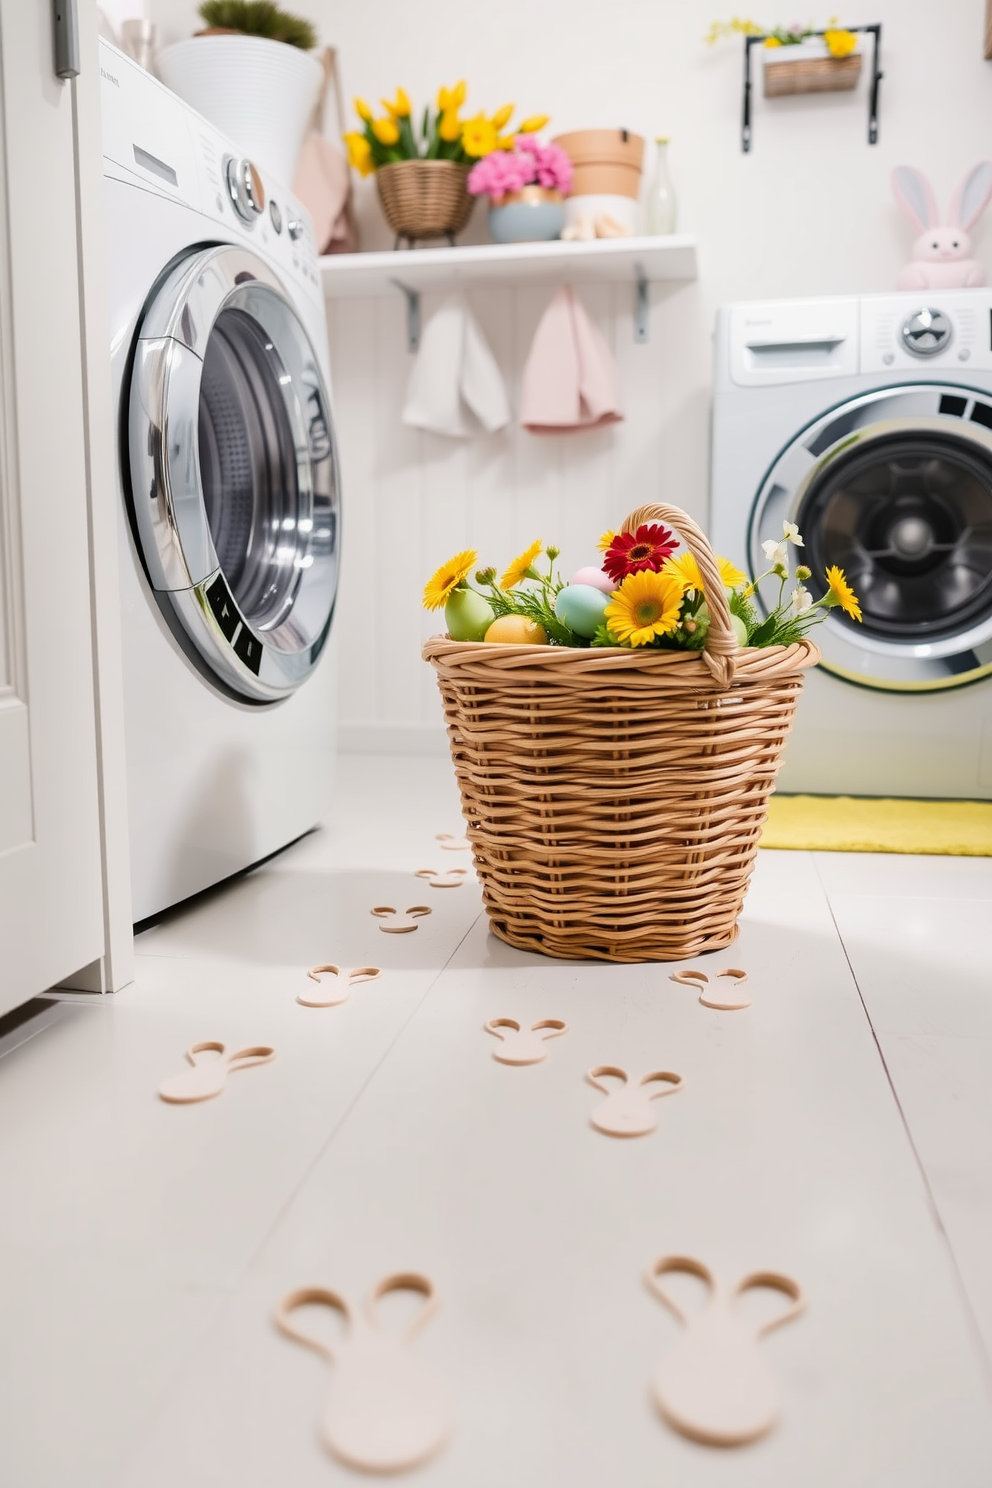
[772,41]
[478,137]
[840,43]
[385,131]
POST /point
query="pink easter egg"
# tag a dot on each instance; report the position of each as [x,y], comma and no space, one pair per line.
[595,577]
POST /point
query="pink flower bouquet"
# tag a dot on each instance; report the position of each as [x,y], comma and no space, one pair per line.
[528,163]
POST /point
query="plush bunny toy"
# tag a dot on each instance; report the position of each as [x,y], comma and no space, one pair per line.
[942,253]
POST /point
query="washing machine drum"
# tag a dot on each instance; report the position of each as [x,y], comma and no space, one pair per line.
[895,488]
[234,474]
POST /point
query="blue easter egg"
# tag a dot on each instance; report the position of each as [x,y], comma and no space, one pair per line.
[581,607]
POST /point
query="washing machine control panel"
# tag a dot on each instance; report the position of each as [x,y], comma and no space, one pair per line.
[950,329]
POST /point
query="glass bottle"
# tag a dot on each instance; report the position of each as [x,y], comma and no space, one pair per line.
[662,206]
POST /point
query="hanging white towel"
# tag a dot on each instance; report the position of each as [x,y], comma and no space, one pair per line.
[455,386]
[570,380]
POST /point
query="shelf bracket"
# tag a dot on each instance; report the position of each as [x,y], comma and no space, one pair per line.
[875,32]
[642,304]
[412,314]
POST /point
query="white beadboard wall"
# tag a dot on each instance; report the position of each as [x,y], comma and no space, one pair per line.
[808,212]
[415,498]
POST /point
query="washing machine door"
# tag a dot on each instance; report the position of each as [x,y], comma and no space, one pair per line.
[894,487]
[234,473]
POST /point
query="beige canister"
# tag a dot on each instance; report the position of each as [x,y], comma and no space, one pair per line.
[607,162]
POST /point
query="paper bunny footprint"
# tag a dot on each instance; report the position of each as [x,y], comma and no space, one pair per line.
[339,990]
[385,1411]
[523,1045]
[453,844]
[714,1386]
[627,1112]
[209,1077]
[447,878]
[395,923]
[728,1000]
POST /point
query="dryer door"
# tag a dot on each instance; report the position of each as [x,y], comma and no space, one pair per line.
[896,489]
[234,472]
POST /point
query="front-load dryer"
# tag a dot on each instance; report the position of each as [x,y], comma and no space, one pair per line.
[229,496]
[868,422]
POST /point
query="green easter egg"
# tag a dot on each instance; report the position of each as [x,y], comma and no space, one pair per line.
[581,607]
[468,615]
[740,629]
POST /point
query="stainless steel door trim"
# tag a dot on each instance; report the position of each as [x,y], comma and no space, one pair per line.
[284,589]
[888,665]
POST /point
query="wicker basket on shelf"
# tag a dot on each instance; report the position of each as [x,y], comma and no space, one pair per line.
[425,198]
[614,798]
[811,74]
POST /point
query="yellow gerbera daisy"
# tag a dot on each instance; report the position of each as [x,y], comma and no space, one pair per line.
[520,568]
[841,594]
[385,131]
[686,569]
[646,605]
[445,581]
[478,137]
[606,541]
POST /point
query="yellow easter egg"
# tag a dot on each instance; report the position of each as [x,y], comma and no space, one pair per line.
[516,630]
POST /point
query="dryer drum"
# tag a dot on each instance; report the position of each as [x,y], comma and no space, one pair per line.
[234,472]
[895,488]
[909,519]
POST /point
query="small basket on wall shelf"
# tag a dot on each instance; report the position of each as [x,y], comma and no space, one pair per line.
[425,198]
[809,72]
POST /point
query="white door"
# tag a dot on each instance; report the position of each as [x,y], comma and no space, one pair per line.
[51,893]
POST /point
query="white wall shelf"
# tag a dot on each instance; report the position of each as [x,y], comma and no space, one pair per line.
[642,261]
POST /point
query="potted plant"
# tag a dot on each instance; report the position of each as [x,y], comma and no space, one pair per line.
[800,59]
[526,186]
[421,174]
[251,73]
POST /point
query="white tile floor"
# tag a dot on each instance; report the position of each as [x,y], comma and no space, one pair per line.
[839,1130]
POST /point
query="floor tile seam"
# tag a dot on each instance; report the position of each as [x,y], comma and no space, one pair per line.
[230,1290]
[978,1340]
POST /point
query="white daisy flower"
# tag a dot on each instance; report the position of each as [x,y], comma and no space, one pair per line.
[791,532]
[802,600]
[775,553]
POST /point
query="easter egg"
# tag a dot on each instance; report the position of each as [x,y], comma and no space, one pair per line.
[580,607]
[468,615]
[740,629]
[516,630]
[595,578]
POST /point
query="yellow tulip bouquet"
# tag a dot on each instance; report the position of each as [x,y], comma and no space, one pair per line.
[645,593]
[443,133]
[839,42]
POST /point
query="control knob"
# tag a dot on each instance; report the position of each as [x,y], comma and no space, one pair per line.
[245,188]
[926,332]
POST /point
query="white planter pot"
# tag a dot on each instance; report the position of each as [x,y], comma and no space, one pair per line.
[259,93]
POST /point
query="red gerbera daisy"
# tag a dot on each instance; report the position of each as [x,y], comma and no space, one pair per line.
[632,552]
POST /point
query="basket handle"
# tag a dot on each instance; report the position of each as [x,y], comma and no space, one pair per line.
[721,648]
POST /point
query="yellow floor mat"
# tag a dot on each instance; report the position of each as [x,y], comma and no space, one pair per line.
[869,824]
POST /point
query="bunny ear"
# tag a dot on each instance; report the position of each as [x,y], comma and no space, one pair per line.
[972,196]
[915,195]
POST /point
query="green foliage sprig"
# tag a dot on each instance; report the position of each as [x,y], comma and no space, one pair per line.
[259,18]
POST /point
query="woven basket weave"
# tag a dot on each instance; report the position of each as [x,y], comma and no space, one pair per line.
[425,198]
[614,798]
[811,75]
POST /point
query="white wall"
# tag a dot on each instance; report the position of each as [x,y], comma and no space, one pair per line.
[809,211]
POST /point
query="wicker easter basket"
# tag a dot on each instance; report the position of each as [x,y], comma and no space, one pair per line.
[614,798]
[425,198]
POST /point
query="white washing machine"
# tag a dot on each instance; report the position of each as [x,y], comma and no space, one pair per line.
[229,495]
[868,421]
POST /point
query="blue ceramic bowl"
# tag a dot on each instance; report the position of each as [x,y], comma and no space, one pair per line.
[526,222]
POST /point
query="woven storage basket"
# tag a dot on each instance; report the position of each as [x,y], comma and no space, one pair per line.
[614,798]
[425,198]
[811,75]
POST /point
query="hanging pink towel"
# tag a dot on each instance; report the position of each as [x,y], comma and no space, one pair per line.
[570,380]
